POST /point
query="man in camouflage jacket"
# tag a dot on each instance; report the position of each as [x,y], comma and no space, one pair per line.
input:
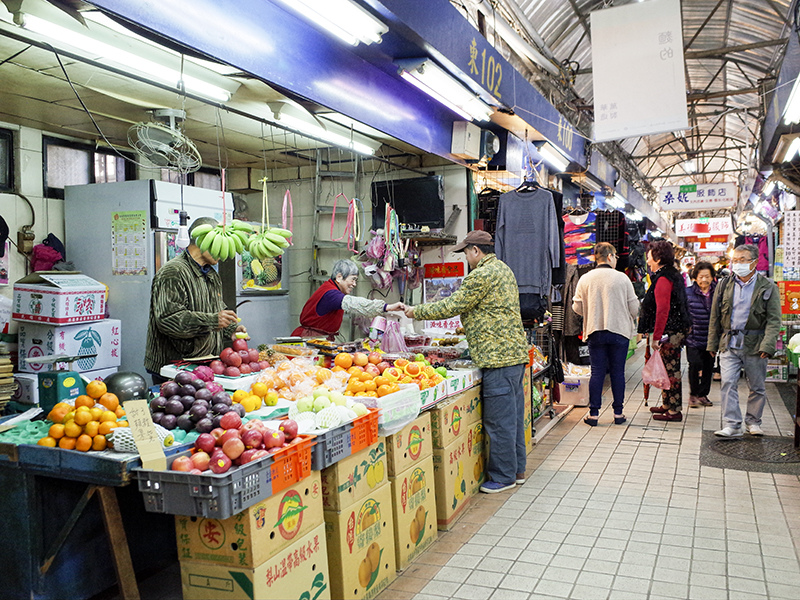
[488,303]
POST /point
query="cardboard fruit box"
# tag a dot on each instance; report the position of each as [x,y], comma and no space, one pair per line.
[414,506]
[450,417]
[102,338]
[410,445]
[256,534]
[58,297]
[298,571]
[361,558]
[355,477]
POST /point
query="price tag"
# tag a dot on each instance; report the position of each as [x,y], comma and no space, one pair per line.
[145,435]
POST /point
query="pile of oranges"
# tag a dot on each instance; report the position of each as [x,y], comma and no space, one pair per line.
[252,400]
[84,426]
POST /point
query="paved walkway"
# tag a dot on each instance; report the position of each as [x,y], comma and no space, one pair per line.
[624,512]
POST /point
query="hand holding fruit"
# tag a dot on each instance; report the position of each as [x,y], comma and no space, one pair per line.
[225,318]
[240,333]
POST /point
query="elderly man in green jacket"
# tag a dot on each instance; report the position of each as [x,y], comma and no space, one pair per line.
[744,327]
[488,302]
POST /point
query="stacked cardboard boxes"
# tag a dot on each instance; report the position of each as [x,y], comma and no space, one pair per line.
[274,548]
[410,462]
[458,454]
[359,525]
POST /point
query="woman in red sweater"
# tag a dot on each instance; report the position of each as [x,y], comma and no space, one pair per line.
[665,315]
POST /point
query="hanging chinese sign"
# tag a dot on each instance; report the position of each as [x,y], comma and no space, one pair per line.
[699,196]
[791,239]
[703,227]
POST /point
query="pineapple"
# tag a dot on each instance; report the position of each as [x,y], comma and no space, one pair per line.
[264,352]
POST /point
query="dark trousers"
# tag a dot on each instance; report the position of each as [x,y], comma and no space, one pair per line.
[701,366]
[504,422]
[608,352]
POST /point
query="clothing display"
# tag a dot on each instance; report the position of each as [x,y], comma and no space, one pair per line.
[579,238]
[527,238]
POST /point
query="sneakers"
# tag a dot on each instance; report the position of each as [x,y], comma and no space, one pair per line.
[694,402]
[755,430]
[705,401]
[729,432]
[492,487]
[520,478]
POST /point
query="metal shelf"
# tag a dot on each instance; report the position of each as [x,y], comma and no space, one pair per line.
[327,244]
[430,239]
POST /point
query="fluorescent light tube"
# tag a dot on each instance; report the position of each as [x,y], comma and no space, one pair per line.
[768,188]
[345,19]
[429,77]
[553,157]
[318,131]
[635,215]
[106,52]
[690,166]
[792,150]
[792,112]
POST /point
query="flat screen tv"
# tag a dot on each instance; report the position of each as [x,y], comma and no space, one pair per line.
[418,201]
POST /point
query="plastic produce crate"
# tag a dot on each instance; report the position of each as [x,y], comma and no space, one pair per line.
[223,495]
[340,442]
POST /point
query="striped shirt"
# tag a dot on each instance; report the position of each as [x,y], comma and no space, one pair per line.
[184,303]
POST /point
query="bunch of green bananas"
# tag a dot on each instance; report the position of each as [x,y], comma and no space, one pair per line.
[223,241]
[269,243]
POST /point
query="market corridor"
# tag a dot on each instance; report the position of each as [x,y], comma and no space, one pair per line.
[625,512]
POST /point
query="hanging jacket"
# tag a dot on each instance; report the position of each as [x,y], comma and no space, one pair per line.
[678,320]
[700,311]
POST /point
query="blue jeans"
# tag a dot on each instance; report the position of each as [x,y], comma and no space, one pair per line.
[731,363]
[607,353]
[504,422]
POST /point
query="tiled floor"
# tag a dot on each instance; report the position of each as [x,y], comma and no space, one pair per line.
[624,512]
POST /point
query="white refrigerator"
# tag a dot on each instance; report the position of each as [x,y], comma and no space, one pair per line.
[121,234]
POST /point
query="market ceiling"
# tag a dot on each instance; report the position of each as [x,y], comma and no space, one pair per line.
[733,51]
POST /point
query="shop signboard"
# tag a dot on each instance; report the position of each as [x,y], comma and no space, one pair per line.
[790,297]
[441,281]
[703,227]
[638,72]
[710,247]
[698,196]
[791,239]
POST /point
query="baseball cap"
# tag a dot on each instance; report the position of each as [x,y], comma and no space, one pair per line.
[474,238]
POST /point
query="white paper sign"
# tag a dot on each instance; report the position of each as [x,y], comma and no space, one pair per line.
[791,239]
[699,196]
[703,227]
[637,70]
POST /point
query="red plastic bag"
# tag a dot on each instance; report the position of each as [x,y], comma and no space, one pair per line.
[655,374]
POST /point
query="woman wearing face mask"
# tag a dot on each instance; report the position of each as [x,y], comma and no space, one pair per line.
[323,313]
[664,314]
[701,364]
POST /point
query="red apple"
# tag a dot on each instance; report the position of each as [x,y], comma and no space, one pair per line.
[205,442]
[255,367]
[200,460]
[289,429]
[264,364]
[233,371]
[251,424]
[245,354]
[233,360]
[217,366]
[274,439]
[253,355]
[238,345]
[360,359]
[230,420]
[382,366]
[195,472]
[228,435]
[220,464]
[182,463]
[217,433]
[226,352]
[252,438]
[374,358]
[245,369]
[260,453]
[246,456]
[372,370]
[233,448]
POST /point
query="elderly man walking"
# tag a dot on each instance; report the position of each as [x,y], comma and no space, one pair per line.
[744,327]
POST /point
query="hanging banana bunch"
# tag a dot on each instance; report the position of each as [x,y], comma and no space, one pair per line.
[270,241]
[223,241]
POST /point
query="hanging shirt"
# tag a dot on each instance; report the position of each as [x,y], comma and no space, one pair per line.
[579,238]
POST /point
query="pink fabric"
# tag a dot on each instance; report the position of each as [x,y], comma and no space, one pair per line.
[763,255]
[44,257]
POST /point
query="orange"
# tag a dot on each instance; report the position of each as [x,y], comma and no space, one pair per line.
[84,400]
[284,365]
[120,412]
[393,387]
[83,443]
[109,400]
[58,412]
[356,387]
[400,363]
[96,388]
[344,360]
[99,442]
[123,423]
[239,395]
[96,412]
[348,393]
[413,369]
[406,379]
[323,375]
[381,380]
[56,431]
[383,390]
[82,417]
[361,394]
[354,370]
[108,415]
[67,443]
[72,429]
[259,389]
[371,394]
[369,386]
[296,378]
[47,441]
[337,369]
[365,376]
[91,428]
[106,427]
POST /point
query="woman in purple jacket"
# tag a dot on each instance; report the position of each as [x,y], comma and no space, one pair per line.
[701,363]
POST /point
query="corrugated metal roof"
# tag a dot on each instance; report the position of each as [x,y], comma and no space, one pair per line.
[724,130]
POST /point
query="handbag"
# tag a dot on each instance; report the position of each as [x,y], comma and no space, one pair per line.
[655,373]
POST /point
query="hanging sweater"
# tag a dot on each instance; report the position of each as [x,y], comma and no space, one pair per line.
[527,239]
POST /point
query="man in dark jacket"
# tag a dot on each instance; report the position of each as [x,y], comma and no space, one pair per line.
[701,364]
[744,328]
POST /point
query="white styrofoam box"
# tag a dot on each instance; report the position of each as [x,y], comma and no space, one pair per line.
[575,390]
[42,339]
[58,298]
[28,389]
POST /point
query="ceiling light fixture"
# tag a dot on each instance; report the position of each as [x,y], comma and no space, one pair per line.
[791,151]
[429,77]
[616,201]
[634,215]
[553,157]
[343,18]
[792,112]
[690,166]
[768,188]
[106,52]
[295,117]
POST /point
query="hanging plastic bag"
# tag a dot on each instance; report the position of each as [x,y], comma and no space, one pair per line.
[392,338]
[655,374]
[632,345]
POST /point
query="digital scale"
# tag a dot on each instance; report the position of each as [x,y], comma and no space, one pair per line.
[57,386]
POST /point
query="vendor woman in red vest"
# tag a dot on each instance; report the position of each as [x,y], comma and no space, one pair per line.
[322,315]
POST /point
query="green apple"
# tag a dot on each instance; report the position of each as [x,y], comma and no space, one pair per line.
[338,398]
[321,403]
[320,391]
[305,404]
[441,371]
[359,409]
[419,358]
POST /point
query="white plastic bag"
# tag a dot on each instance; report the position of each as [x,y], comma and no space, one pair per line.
[392,338]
